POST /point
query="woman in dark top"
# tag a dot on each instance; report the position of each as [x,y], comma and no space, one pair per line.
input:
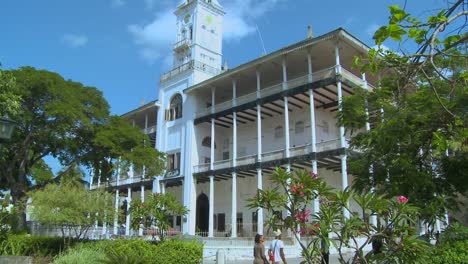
[259,250]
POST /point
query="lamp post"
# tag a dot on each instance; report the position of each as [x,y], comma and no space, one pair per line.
[6,128]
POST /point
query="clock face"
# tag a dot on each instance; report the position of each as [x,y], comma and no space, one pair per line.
[209,19]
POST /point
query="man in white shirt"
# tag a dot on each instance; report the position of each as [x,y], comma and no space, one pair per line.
[277,248]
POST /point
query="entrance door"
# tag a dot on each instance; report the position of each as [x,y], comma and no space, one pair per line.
[202,214]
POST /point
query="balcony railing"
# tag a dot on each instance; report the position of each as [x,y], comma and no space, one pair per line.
[271,155]
[350,76]
[121,181]
[182,44]
[269,90]
[193,64]
[149,130]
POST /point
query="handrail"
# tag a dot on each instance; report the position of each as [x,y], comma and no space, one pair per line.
[269,90]
[295,151]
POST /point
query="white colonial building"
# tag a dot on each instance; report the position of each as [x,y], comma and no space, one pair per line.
[225,130]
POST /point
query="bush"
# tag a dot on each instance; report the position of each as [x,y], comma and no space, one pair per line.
[450,253]
[81,255]
[139,251]
[452,246]
[27,245]
[455,232]
[177,251]
[127,249]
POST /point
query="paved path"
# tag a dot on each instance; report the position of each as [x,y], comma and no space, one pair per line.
[333,260]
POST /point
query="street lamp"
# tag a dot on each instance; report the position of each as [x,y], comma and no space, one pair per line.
[6,128]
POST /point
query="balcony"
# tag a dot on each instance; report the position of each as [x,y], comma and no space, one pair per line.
[193,64]
[182,45]
[149,130]
[112,183]
[270,156]
[270,90]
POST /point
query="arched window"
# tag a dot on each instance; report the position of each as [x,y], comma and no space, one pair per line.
[175,108]
[278,132]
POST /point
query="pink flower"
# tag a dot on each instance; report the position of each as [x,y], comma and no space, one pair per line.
[293,189]
[301,194]
[313,175]
[402,199]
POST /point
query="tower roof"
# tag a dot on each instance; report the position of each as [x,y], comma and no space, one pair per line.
[214,3]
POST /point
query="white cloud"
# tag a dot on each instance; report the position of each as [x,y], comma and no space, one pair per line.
[118,3]
[74,40]
[239,20]
[155,38]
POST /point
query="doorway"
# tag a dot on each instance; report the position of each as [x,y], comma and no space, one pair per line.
[202,216]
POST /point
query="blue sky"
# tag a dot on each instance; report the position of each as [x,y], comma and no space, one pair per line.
[122,46]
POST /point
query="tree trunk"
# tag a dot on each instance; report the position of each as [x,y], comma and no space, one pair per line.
[19,204]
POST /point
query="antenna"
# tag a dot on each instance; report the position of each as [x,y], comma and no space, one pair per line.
[261,40]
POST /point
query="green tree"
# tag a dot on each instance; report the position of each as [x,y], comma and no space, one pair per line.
[417,142]
[71,122]
[71,207]
[9,98]
[155,211]
[393,238]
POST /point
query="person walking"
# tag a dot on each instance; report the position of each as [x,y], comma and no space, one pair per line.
[277,249]
[259,250]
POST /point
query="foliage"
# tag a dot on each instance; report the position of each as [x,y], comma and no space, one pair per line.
[80,255]
[140,251]
[451,253]
[68,121]
[452,246]
[9,99]
[393,236]
[6,217]
[179,252]
[417,142]
[455,232]
[27,245]
[155,211]
[129,249]
[71,207]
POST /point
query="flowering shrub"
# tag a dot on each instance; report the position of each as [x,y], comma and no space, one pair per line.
[392,238]
[155,211]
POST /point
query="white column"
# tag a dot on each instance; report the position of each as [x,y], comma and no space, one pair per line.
[344,167]
[127,219]
[163,188]
[211,209]
[142,198]
[234,164]
[116,213]
[211,201]
[313,137]
[157,184]
[91,179]
[259,156]
[234,206]
[98,186]
[373,217]
[286,112]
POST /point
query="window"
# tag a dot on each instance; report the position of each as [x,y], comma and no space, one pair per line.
[175,108]
[173,164]
[279,132]
[225,155]
[299,128]
[207,142]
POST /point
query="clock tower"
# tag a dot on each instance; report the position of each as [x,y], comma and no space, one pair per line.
[197,57]
[199,36]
